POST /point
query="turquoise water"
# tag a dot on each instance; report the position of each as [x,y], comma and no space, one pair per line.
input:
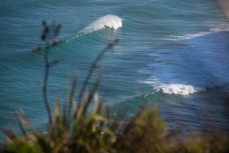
[171,53]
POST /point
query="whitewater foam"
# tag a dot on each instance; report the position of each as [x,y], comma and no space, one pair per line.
[220,28]
[178,89]
[110,21]
[187,36]
[172,89]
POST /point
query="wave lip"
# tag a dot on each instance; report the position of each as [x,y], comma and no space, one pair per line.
[110,21]
[178,89]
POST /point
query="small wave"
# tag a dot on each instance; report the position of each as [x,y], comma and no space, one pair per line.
[110,21]
[187,36]
[178,89]
[223,27]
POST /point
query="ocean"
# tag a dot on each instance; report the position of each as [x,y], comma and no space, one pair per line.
[172,54]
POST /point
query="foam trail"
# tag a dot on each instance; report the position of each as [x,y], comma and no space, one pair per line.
[223,27]
[110,21]
[187,36]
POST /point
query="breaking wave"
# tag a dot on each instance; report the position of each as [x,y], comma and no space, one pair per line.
[172,89]
[178,89]
[110,21]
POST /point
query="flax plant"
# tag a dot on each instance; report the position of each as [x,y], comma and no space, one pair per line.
[75,128]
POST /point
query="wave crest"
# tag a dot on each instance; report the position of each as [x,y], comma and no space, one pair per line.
[110,21]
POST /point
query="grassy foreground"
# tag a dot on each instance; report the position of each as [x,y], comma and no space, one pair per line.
[96,132]
[73,128]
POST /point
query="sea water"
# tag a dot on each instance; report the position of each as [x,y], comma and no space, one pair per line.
[174,54]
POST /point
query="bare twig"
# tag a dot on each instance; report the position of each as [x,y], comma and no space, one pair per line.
[93,66]
[49,36]
[44,87]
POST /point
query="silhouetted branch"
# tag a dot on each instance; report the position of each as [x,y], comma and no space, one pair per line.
[44,86]
[93,66]
[49,36]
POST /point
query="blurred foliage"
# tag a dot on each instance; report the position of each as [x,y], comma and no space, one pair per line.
[22,146]
[95,132]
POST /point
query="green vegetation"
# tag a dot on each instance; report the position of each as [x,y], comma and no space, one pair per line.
[73,128]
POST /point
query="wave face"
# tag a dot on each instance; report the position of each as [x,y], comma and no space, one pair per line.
[110,21]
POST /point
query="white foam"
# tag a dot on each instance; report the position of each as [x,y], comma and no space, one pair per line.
[222,27]
[178,89]
[175,89]
[187,36]
[110,21]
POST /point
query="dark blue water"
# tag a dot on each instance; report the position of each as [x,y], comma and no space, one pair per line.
[173,53]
